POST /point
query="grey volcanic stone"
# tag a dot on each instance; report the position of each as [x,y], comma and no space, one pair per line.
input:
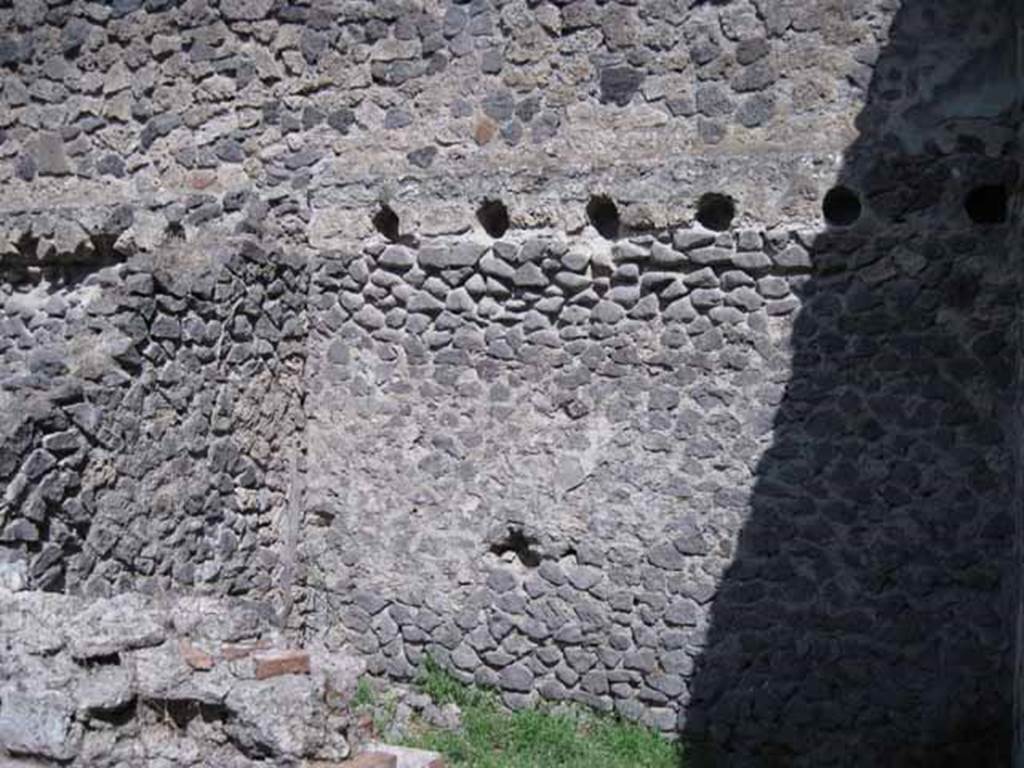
[516,677]
[49,155]
[619,84]
[681,613]
[37,723]
[397,257]
[248,10]
[608,312]
[529,275]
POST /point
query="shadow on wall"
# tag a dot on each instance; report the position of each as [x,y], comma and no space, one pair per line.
[866,617]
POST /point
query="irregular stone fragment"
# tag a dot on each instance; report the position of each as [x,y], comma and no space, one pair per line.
[687,239]
[113,625]
[245,10]
[607,312]
[397,257]
[529,275]
[794,257]
[516,677]
[37,723]
[49,155]
[619,84]
[104,688]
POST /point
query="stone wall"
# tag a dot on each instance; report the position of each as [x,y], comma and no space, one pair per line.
[536,463]
[165,682]
[151,410]
[652,355]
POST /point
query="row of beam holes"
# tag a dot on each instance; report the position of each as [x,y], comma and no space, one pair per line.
[841,207]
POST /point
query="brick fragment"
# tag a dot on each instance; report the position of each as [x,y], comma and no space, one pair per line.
[285,662]
[234,651]
[195,657]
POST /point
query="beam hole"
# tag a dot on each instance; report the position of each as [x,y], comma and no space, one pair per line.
[987,204]
[603,215]
[493,217]
[841,207]
[385,221]
[716,211]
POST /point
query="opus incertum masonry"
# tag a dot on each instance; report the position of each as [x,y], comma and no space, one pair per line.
[657,355]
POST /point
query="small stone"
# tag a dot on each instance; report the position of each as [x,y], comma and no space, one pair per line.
[687,240]
[529,275]
[460,301]
[745,298]
[680,310]
[751,260]
[501,581]
[397,257]
[794,257]
[492,61]
[756,110]
[370,317]
[111,165]
[681,613]
[245,10]
[663,256]
[713,100]
[20,530]
[25,167]
[516,677]
[583,577]
[105,688]
[607,312]
[772,287]
[50,157]
[36,723]
[667,557]
[492,265]
[422,157]
[397,118]
[712,255]
[705,298]
[783,307]
[619,84]
[499,106]
[643,660]
[423,302]
[341,120]
[158,127]
[749,51]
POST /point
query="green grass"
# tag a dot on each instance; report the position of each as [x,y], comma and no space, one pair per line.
[364,696]
[492,737]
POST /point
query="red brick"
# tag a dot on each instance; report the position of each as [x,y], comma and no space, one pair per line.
[285,662]
[232,651]
[195,657]
[484,130]
[201,180]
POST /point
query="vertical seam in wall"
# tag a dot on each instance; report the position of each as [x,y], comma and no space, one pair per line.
[295,448]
